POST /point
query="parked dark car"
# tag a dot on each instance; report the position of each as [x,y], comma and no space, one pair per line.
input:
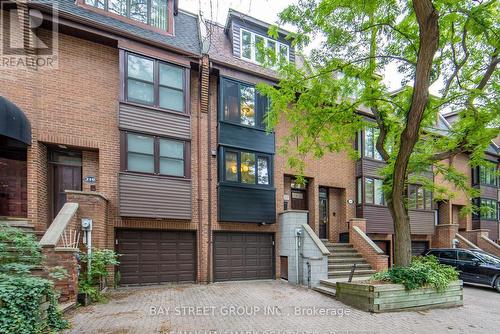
[475,266]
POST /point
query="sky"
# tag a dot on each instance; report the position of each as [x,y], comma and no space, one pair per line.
[264,10]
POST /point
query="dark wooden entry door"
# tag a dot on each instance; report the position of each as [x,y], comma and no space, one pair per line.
[65,178]
[299,199]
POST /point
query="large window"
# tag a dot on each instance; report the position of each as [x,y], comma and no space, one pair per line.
[374,193]
[488,175]
[250,50]
[155,155]
[151,12]
[242,104]
[419,198]
[370,150]
[487,209]
[154,83]
[246,167]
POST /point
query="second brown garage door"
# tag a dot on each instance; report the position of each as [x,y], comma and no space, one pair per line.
[152,256]
[243,256]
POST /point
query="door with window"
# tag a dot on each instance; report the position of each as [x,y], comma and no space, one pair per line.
[323,213]
[65,173]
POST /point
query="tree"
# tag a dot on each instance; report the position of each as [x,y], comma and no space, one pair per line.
[450,43]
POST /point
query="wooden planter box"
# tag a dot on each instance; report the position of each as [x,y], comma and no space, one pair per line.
[394,297]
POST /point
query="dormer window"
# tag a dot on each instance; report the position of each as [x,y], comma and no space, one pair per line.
[249,50]
[150,12]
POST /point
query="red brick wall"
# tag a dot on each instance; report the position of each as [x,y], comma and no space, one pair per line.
[444,235]
[67,287]
[379,262]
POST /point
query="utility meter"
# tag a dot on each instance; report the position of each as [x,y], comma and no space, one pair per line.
[86,224]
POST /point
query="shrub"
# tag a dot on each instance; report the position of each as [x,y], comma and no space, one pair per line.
[423,271]
[22,294]
[100,260]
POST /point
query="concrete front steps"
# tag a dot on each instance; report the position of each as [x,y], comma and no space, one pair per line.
[342,258]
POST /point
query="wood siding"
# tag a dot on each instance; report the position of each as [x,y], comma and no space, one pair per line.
[489,192]
[379,220]
[422,222]
[242,204]
[154,196]
[369,167]
[155,122]
[245,138]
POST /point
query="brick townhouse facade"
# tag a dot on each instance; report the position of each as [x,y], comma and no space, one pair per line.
[160,140]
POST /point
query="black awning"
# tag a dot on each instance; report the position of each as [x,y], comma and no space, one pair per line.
[13,122]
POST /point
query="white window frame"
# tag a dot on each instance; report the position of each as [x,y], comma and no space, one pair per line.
[253,49]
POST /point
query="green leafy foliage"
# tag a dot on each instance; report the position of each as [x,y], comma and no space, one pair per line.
[92,279]
[423,271]
[22,294]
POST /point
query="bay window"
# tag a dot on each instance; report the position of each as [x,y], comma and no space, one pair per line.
[155,83]
[487,209]
[246,167]
[150,12]
[242,104]
[374,193]
[155,155]
[488,175]
[370,142]
[419,198]
[250,50]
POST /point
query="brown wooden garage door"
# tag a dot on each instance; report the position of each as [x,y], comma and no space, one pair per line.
[152,256]
[243,256]
[418,247]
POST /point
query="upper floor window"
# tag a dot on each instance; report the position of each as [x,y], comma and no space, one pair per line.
[155,155]
[370,142]
[488,175]
[488,209]
[250,51]
[155,83]
[242,104]
[151,12]
[419,198]
[246,167]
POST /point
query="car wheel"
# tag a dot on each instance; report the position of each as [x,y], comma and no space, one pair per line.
[497,284]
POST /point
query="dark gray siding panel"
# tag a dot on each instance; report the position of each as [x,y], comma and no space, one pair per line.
[489,192]
[236,38]
[378,219]
[238,204]
[243,137]
[154,196]
[422,222]
[153,121]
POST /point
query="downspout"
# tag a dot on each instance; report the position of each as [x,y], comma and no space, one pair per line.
[198,157]
[209,167]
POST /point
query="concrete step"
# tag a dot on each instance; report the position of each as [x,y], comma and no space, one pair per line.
[332,282]
[20,224]
[329,291]
[346,273]
[340,249]
[346,260]
[344,254]
[348,266]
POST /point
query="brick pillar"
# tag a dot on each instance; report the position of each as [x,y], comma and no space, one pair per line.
[365,246]
[444,235]
[359,222]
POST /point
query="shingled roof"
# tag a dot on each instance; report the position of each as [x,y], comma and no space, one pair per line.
[187,36]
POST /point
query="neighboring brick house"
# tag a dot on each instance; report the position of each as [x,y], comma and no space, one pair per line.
[114,128]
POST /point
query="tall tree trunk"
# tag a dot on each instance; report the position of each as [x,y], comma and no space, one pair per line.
[427,18]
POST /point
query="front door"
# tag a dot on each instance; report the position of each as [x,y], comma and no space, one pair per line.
[299,199]
[66,174]
[323,213]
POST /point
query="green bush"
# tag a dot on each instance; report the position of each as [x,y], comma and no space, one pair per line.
[91,283]
[423,271]
[22,294]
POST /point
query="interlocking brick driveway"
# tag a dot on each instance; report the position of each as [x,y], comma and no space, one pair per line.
[247,307]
